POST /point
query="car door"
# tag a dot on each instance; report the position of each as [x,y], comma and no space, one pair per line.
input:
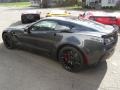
[48,34]
[42,35]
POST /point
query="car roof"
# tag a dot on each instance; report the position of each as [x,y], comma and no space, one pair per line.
[81,22]
[69,19]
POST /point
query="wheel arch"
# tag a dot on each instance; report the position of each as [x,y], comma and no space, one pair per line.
[85,60]
[5,32]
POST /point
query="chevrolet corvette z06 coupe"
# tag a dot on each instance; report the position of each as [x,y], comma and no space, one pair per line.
[30,16]
[75,43]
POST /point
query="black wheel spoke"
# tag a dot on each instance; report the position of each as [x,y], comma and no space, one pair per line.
[70,58]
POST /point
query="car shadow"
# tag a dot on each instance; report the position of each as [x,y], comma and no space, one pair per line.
[49,70]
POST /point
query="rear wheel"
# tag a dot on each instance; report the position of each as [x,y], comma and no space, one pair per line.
[8,42]
[71,59]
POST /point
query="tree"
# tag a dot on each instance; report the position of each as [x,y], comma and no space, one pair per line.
[45,3]
[118,4]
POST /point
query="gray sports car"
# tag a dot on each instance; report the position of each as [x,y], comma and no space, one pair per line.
[75,43]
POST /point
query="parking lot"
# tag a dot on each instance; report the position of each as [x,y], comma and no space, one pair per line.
[26,70]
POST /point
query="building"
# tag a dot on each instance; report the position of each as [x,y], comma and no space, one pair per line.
[2,1]
[101,3]
[51,3]
[44,3]
[35,2]
[7,1]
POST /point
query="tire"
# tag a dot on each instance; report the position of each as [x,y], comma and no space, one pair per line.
[8,42]
[71,59]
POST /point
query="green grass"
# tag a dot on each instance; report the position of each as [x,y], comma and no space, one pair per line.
[16,4]
[73,7]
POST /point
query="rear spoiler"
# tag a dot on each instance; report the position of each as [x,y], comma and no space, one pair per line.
[114,33]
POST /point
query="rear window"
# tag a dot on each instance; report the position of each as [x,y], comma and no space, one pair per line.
[90,25]
[83,28]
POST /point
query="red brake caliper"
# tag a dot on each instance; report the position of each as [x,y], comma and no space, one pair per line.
[66,57]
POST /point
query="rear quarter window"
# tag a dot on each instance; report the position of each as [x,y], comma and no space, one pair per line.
[83,28]
[89,25]
[63,26]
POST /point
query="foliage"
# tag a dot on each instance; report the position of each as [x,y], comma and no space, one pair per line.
[16,4]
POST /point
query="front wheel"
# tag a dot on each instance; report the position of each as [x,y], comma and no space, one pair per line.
[8,42]
[71,59]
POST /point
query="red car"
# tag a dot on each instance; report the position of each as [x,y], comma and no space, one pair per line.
[108,20]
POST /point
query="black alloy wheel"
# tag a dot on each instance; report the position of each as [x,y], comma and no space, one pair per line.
[71,59]
[8,41]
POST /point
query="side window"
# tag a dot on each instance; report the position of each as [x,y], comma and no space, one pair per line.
[60,26]
[83,28]
[44,26]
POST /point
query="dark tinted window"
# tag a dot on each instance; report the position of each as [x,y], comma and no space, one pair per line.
[83,28]
[88,24]
[63,26]
[44,25]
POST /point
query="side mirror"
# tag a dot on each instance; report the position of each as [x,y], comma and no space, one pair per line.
[27,29]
